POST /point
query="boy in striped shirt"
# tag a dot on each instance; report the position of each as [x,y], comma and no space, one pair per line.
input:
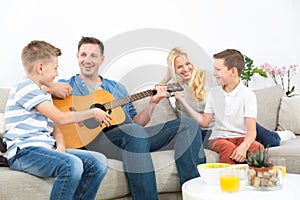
[35,144]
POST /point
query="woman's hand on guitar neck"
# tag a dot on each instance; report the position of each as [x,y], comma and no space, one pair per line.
[102,117]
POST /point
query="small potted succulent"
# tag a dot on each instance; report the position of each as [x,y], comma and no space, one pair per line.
[261,174]
[259,160]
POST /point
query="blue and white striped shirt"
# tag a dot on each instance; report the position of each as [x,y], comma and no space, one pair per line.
[25,126]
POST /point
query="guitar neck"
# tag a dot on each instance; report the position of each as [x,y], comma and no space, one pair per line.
[128,99]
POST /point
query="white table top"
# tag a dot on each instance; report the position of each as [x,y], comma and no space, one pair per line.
[197,189]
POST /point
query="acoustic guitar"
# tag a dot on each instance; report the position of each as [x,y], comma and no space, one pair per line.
[80,134]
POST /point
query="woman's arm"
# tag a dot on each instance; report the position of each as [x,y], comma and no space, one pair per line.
[203,119]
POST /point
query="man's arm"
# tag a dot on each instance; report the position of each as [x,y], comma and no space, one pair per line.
[143,117]
[58,89]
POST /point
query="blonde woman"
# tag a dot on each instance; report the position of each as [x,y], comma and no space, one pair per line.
[196,83]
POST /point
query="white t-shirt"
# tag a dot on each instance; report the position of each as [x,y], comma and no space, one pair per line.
[230,110]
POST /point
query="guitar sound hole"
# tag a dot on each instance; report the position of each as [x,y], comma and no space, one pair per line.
[98,105]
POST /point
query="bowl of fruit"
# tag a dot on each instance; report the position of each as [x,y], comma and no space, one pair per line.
[210,172]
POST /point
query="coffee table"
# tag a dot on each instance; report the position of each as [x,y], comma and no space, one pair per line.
[197,189]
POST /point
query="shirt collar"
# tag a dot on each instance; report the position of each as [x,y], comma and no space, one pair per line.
[235,90]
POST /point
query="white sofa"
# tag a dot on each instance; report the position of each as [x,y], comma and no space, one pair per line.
[16,185]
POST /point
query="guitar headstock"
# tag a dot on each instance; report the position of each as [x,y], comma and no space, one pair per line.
[173,87]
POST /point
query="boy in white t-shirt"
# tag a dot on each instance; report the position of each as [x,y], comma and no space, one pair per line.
[234,107]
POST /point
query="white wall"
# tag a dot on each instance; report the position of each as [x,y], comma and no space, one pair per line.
[265,30]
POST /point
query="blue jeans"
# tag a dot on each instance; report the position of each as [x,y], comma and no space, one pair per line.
[77,173]
[267,137]
[132,143]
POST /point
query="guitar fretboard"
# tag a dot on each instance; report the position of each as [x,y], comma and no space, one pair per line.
[128,99]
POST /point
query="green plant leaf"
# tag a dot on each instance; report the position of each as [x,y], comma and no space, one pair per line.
[256,164]
[250,70]
[261,157]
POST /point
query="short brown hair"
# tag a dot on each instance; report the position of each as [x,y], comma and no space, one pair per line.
[232,58]
[91,40]
[38,50]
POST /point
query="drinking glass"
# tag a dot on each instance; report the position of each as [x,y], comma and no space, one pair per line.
[279,163]
[229,180]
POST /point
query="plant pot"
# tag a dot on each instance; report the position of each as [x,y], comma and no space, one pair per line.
[265,178]
[260,169]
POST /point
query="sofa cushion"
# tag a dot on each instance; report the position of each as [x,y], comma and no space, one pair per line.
[165,171]
[289,114]
[290,150]
[24,185]
[268,103]
[114,184]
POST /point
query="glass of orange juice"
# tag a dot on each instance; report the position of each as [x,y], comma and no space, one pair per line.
[281,168]
[229,180]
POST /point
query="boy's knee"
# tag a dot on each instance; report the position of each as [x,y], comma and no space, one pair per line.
[72,167]
[99,161]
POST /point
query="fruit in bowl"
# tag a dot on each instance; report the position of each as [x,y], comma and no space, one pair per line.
[210,172]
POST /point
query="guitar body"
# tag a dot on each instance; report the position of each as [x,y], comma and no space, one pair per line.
[78,135]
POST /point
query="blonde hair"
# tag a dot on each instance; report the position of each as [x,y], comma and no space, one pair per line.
[197,82]
[38,50]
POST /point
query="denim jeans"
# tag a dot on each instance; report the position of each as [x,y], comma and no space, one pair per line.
[132,143]
[267,137]
[77,173]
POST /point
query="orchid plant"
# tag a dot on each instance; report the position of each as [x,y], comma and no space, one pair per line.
[280,75]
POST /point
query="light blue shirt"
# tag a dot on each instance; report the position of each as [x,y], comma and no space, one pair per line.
[118,90]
